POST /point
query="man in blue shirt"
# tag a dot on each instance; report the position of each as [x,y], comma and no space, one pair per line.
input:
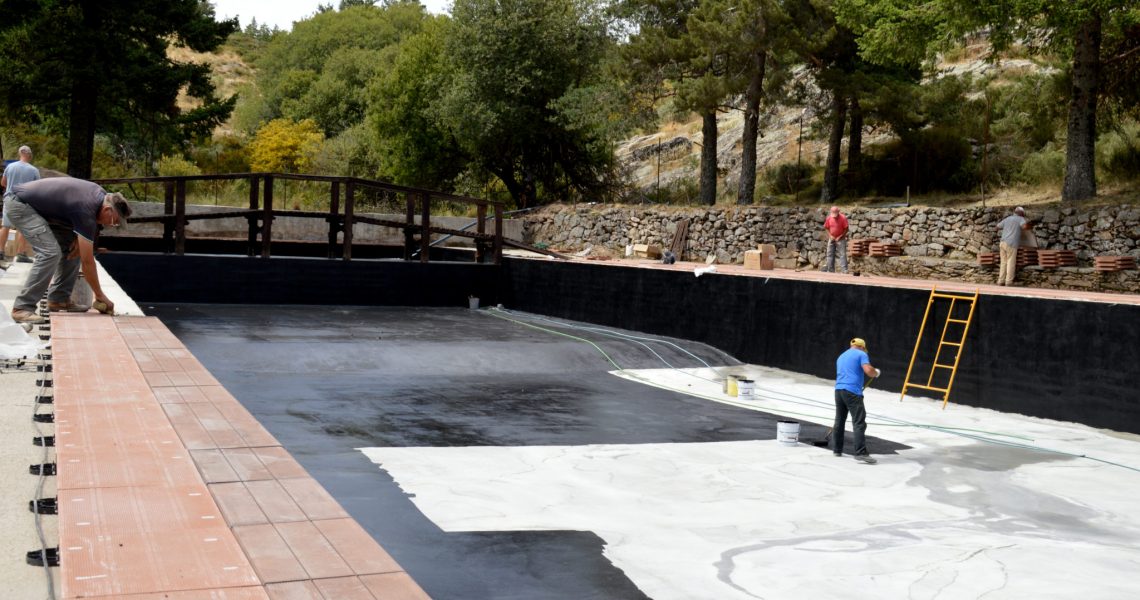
[851,370]
[20,171]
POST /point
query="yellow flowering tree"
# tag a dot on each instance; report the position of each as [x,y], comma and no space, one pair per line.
[284,146]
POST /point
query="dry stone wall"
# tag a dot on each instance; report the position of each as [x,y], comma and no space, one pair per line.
[938,243]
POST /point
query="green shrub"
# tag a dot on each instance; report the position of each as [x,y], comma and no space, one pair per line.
[169,166]
[935,159]
[1047,165]
[1118,153]
[683,191]
[790,178]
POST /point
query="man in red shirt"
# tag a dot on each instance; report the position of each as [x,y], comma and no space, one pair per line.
[836,227]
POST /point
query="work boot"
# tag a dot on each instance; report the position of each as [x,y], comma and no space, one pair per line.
[65,307]
[26,316]
[865,458]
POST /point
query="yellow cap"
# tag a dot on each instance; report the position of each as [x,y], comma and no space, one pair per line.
[859,342]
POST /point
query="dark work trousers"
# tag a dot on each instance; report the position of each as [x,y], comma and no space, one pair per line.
[846,402]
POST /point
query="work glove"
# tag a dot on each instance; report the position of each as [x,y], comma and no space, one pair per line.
[878,372]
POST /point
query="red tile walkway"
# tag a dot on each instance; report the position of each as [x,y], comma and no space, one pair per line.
[169,488]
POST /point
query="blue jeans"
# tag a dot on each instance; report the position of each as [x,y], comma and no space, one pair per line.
[834,246]
[52,272]
[846,402]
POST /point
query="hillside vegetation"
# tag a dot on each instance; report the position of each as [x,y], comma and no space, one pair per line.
[665,101]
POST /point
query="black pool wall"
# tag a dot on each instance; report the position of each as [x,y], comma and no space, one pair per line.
[282,280]
[1057,359]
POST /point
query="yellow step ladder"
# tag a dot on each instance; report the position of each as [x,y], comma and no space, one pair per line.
[943,342]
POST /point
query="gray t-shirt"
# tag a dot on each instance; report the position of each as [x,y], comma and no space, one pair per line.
[1011,227]
[19,172]
[65,201]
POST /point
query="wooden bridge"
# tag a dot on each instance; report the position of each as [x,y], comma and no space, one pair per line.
[343,194]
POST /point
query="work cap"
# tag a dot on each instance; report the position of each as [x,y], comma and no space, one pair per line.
[1019,210]
[859,342]
[834,210]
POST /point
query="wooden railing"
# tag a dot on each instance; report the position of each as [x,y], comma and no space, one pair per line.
[417,224]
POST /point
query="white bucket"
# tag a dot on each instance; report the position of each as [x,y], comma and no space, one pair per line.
[473,302]
[788,433]
[746,389]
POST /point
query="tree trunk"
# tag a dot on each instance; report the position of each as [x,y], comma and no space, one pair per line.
[81,129]
[747,191]
[1080,150]
[830,189]
[708,158]
[855,138]
[514,187]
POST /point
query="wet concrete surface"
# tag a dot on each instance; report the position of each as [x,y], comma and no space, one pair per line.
[328,381]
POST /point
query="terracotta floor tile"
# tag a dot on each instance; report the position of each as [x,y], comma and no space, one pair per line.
[247,464]
[180,378]
[269,554]
[113,564]
[81,325]
[280,463]
[202,377]
[131,527]
[192,394]
[237,504]
[394,586]
[251,431]
[275,502]
[158,380]
[168,395]
[192,434]
[217,425]
[315,553]
[107,423]
[146,360]
[312,498]
[242,593]
[216,393]
[344,588]
[356,547]
[141,510]
[213,466]
[294,590]
[140,463]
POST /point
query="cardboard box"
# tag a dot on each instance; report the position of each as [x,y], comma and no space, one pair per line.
[647,251]
[757,259]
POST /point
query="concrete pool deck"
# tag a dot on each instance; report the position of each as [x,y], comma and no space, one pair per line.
[506,455]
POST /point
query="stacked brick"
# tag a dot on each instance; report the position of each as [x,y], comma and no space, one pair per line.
[859,246]
[988,259]
[1026,257]
[884,249]
[1051,259]
[1108,264]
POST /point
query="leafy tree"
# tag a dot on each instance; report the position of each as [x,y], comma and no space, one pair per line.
[320,70]
[515,64]
[103,67]
[678,47]
[414,144]
[909,30]
[284,146]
